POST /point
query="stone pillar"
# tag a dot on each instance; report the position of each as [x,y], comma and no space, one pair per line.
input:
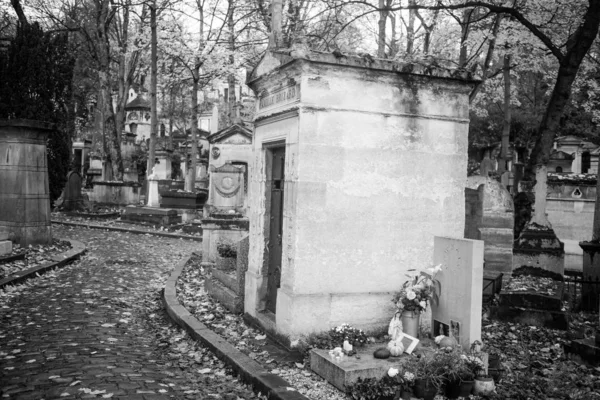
[24,191]
[153,196]
[163,168]
[591,272]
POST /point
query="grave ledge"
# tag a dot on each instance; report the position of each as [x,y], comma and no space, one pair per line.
[347,371]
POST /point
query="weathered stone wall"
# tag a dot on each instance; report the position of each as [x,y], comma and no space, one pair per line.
[375,168]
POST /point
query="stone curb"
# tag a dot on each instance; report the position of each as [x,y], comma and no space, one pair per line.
[251,372]
[136,231]
[59,260]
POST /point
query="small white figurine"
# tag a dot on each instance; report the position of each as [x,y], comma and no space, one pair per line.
[395,328]
[347,346]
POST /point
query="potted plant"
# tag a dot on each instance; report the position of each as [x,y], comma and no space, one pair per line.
[227,256]
[407,384]
[456,372]
[429,376]
[415,295]
[473,367]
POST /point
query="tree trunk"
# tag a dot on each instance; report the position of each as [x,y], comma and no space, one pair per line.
[190,179]
[153,73]
[19,10]
[231,77]
[507,117]
[577,48]
[488,58]
[393,40]
[275,41]
[464,35]
[410,29]
[172,108]
[383,14]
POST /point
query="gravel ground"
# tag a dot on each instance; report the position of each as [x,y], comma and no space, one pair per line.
[191,294]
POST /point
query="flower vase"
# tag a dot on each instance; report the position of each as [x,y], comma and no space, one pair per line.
[483,386]
[410,322]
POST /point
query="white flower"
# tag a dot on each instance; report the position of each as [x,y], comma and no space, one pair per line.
[409,376]
[410,295]
[392,372]
[423,304]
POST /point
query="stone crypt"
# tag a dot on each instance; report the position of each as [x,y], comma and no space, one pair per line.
[357,164]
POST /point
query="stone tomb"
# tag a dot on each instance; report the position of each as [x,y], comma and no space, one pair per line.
[458,313]
[151,215]
[358,164]
[24,193]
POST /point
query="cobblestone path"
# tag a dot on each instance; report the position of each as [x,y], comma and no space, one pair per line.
[96,329]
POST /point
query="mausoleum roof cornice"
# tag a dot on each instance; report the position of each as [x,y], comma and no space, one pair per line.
[432,68]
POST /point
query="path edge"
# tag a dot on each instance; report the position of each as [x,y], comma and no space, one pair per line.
[251,372]
[59,260]
[136,231]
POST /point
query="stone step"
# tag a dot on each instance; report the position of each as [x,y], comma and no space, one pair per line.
[497,236]
[530,316]
[498,254]
[531,300]
[505,220]
[228,279]
[224,295]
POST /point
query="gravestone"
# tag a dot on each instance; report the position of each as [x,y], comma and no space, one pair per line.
[72,197]
[227,187]
[228,286]
[487,165]
[225,219]
[458,313]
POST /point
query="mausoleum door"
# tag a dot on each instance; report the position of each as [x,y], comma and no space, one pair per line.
[276,227]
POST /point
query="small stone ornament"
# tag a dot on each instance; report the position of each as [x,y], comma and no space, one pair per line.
[348,349]
[382,353]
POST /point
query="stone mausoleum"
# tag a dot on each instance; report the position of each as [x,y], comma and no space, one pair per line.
[357,164]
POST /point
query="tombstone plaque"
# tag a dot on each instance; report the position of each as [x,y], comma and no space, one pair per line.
[227,191]
[458,313]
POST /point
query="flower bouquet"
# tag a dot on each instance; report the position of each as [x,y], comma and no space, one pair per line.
[419,290]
